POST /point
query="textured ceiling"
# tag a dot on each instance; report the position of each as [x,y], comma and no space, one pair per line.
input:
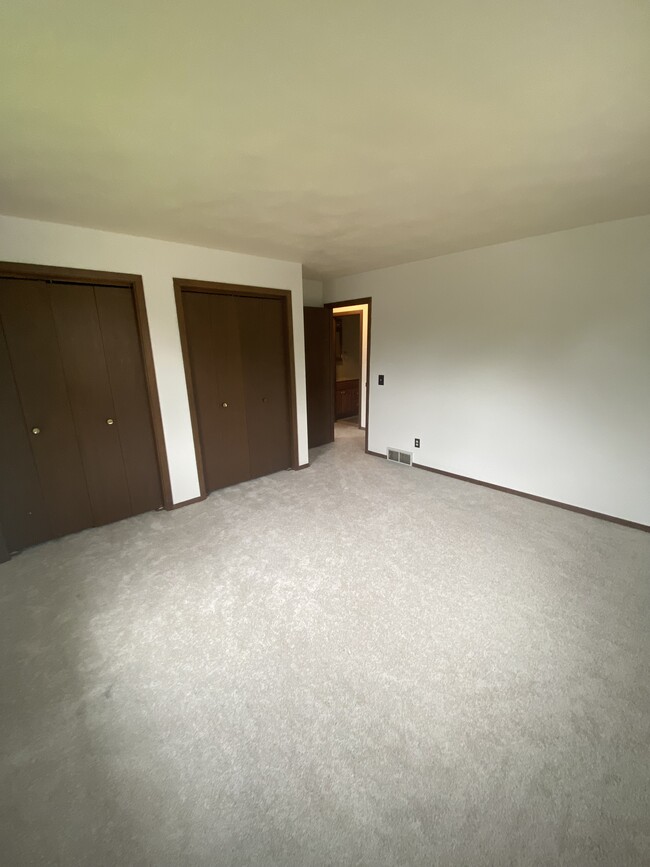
[344,135]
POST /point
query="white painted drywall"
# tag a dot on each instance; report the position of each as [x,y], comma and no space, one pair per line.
[524,364]
[344,135]
[312,293]
[363,310]
[159,262]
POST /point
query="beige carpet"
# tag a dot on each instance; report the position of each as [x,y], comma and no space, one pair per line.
[355,664]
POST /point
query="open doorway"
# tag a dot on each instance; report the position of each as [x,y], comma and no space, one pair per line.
[347,374]
[337,362]
[351,327]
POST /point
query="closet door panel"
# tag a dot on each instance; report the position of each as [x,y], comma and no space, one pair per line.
[119,328]
[96,421]
[38,372]
[264,357]
[217,379]
[23,514]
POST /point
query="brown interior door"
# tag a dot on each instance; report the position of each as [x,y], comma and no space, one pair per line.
[319,369]
[212,336]
[23,515]
[266,380]
[125,365]
[89,390]
[49,426]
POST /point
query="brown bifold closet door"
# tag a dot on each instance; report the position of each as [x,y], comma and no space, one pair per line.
[48,427]
[266,381]
[237,352]
[124,363]
[23,514]
[78,447]
[93,409]
[212,329]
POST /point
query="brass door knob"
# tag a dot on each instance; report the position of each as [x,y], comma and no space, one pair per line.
[36,431]
[110,421]
[224,405]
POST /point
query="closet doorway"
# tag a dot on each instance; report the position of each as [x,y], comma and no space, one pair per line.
[238,353]
[81,437]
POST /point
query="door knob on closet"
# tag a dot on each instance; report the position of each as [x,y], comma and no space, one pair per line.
[36,431]
[224,405]
[110,421]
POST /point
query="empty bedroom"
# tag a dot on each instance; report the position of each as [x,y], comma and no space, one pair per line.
[324,433]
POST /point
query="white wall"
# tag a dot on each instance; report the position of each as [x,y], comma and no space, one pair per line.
[312,293]
[158,262]
[524,364]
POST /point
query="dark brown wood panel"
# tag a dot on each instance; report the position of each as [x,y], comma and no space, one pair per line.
[266,381]
[23,514]
[347,398]
[126,372]
[319,367]
[82,354]
[38,372]
[212,331]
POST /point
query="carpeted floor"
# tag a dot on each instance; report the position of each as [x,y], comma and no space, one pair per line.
[355,664]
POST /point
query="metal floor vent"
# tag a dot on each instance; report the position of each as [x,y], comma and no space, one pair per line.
[400,457]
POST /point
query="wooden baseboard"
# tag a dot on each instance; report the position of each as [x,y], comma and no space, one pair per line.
[645,528]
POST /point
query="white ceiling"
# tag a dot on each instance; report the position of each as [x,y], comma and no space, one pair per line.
[346,134]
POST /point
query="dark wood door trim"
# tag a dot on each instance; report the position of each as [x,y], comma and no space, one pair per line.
[351,303]
[182,285]
[55,274]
